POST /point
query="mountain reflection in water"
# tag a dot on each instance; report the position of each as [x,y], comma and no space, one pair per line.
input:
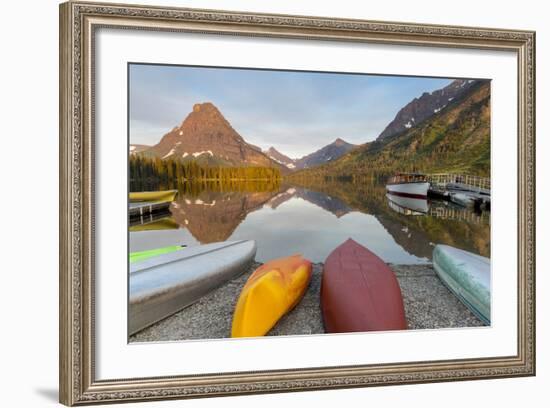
[293,219]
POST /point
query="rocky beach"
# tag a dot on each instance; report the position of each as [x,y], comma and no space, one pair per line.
[428,305]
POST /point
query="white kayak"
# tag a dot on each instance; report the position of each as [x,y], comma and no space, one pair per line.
[162,285]
[468,276]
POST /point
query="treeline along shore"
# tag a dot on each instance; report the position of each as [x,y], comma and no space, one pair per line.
[169,171]
[192,178]
[165,170]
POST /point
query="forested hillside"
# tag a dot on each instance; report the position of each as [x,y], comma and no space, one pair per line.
[456,139]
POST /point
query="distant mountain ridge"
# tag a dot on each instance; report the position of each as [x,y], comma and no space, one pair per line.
[208,138]
[325,154]
[425,106]
[274,154]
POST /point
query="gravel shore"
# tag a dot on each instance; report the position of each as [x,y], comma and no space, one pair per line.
[428,305]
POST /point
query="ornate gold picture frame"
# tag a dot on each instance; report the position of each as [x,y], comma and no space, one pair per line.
[79,23]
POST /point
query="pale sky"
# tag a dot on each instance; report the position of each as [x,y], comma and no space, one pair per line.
[296,112]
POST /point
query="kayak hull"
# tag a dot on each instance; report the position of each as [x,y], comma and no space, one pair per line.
[152,196]
[468,276]
[359,292]
[270,292]
[163,285]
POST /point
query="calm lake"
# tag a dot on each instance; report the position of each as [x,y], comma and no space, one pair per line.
[312,220]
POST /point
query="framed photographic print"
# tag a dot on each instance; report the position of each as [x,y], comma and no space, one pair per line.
[260,203]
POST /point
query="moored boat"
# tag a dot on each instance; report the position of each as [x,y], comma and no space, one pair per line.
[359,292]
[462,199]
[269,293]
[468,276]
[152,196]
[412,185]
[162,285]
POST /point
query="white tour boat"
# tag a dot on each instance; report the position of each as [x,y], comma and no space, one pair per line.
[412,185]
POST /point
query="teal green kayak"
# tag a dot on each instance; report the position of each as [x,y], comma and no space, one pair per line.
[468,276]
[143,255]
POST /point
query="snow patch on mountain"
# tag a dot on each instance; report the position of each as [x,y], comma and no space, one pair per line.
[170,153]
[289,165]
[197,154]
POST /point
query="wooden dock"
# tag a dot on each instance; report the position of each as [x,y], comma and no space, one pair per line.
[467,191]
[143,209]
[476,184]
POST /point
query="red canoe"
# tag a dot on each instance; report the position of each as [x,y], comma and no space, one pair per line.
[359,292]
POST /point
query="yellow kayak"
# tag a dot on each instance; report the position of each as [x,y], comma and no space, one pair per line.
[153,196]
[271,291]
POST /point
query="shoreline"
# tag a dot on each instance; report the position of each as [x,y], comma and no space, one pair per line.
[428,305]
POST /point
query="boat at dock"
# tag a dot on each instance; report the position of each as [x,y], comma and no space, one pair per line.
[468,276]
[269,293]
[162,285]
[359,292]
[152,196]
[465,190]
[411,185]
[463,199]
[476,201]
